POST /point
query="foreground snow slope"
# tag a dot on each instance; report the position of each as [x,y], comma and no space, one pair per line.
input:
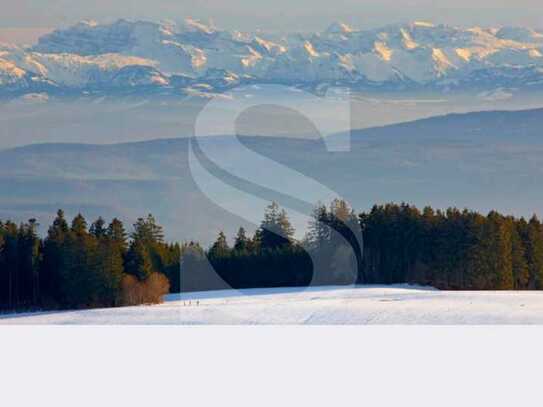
[321,305]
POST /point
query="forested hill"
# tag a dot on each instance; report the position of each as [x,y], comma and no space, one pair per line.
[487,160]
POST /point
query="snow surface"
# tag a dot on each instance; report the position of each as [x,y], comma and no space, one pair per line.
[400,304]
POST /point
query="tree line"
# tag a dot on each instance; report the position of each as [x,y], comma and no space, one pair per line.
[452,250]
[81,266]
[77,266]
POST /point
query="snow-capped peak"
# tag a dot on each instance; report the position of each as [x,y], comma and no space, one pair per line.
[383,50]
[425,24]
[519,34]
[197,25]
[9,68]
[339,28]
[88,23]
[310,49]
[148,54]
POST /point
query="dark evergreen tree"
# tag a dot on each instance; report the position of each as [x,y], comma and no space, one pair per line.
[53,260]
[79,271]
[98,229]
[109,272]
[3,267]
[29,246]
[172,266]
[147,230]
[242,242]
[501,252]
[117,234]
[220,248]
[534,253]
[275,230]
[518,254]
[138,261]
[10,265]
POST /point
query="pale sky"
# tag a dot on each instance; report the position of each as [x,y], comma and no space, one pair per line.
[25,18]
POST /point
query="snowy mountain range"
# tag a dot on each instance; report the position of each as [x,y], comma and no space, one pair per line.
[127,57]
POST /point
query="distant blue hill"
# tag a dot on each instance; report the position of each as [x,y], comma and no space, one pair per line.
[487,160]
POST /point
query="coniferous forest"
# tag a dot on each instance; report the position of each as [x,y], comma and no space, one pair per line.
[77,265]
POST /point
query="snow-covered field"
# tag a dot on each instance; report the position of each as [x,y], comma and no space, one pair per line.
[398,304]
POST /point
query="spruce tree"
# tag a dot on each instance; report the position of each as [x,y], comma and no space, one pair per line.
[241,243]
[117,234]
[110,269]
[79,226]
[79,271]
[98,229]
[11,265]
[138,261]
[220,248]
[503,253]
[521,272]
[29,259]
[275,230]
[3,266]
[318,234]
[53,258]
[534,253]
[345,261]
[147,230]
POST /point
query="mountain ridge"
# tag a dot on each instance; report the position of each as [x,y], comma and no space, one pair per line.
[193,58]
[476,115]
